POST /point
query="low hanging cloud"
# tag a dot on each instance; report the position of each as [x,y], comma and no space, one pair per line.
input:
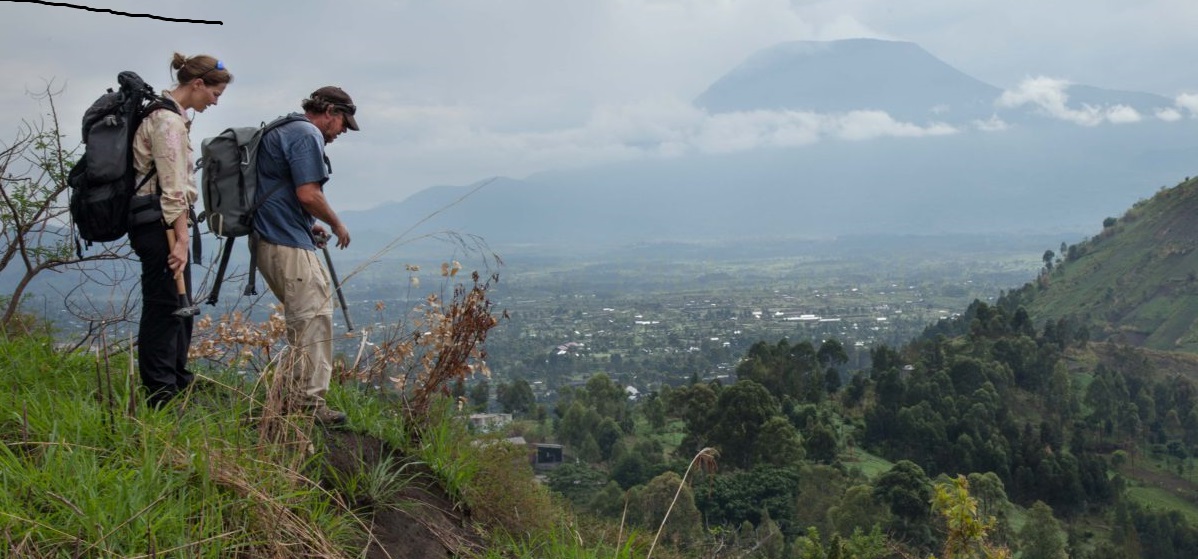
[439,144]
[1187,102]
[1049,96]
[655,128]
[992,124]
[1168,114]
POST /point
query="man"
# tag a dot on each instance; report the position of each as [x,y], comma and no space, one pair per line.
[292,171]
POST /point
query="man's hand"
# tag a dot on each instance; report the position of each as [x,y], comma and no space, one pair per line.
[311,197]
[319,235]
[342,235]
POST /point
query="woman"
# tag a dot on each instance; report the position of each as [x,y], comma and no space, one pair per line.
[160,221]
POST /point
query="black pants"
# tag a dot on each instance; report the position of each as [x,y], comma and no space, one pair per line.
[162,338]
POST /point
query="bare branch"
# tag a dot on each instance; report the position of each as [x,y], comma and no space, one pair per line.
[35,229]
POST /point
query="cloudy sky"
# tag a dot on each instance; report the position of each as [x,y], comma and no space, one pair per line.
[454,91]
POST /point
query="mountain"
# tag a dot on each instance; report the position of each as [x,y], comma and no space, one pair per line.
[900,78]
[1027,170]
[838,76]
[1136,282]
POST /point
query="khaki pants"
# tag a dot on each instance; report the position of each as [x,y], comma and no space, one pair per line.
[299,281]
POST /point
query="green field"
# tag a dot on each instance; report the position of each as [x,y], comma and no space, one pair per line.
[869,464]
[1163,499]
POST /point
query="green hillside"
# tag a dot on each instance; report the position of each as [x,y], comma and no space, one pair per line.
[1136,282]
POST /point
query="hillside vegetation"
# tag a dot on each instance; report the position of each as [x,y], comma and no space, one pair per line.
[88,470]
[990,435]
[1136,282]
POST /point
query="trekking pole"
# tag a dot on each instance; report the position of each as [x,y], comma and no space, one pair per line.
[323,240]
[186,307]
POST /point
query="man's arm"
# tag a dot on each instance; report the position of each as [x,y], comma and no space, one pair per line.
[311,197]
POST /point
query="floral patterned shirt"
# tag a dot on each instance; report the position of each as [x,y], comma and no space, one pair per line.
[162,142]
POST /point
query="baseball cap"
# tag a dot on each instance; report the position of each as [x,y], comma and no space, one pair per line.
[340,99]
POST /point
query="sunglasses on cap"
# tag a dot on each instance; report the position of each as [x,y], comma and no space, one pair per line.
[348,108]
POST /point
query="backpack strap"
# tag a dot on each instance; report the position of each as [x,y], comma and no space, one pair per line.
[262,199]
[251,282]
[220,271]
[160,102]
[157,104]
[251,288]
[196,245]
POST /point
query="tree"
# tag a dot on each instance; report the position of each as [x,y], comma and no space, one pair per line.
[33,206]
[577,425]
[821,443]
[770,541]
[968,532]
[577,482]
[588,449]
[654,410]
[669,494]
[609,501]
[695,405]
[480,394]
[832,380]
[516,397]
[831,353]
[857,546]
[633,468]
[607,433]
[883,358]
[987,489]
[778,443]
[906,489]
[736,497]
[605,396]
[859,510]
[1041,536]
[820,489]
[741,411]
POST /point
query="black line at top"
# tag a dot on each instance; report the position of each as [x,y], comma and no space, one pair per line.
[126,14]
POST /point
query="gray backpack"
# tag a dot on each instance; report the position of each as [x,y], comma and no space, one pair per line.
[229,163]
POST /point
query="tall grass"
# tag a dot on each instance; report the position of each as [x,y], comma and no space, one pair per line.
[561,544]
[81,477]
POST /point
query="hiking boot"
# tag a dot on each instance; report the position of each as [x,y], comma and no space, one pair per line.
[325,415]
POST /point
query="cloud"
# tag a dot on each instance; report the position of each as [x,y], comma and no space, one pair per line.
[867,125]
[992,124]
[657,127]
[1122,114]
[1050,97]
[458,146]
[1187,102]
[1168,114]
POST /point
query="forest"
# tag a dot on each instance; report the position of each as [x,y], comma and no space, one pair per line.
[1051,432]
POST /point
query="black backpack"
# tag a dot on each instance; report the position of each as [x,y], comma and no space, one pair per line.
[102,182]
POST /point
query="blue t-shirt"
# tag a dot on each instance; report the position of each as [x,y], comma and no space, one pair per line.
[288,156]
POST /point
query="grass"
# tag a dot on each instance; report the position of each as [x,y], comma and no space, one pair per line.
[670,437]
[565,544]
[82,476]
[78,476]
[1162,499]
[870,465]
